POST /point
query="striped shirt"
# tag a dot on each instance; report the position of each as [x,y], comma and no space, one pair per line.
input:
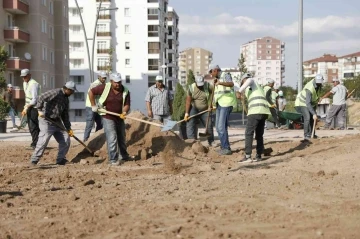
[159,100]
[55,105]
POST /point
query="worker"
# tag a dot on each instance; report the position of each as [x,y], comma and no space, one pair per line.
[271,96]
[225,101]
[281,101]
[116,98]
[159,101]
[258,112]
[32,91]
[198,99]
[338,107]
[306,103]
[91,116]
[8,97]
[53,109]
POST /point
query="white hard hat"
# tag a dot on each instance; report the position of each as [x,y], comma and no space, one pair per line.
[270,81]
[159,78]
[9,86]
[116,77]
[319,78]
[102,74]
[281,93]
[199,81]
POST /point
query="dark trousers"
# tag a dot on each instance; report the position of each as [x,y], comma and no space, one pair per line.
[33,122]
[255,124]
[274,114]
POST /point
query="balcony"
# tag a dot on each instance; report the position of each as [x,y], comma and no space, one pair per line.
[102,68]
[103,51]
[16,6]
[16,63]
[16,34]
[18,94]
[103,34]
[108,16]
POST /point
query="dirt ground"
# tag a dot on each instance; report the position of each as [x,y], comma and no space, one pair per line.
[182,190]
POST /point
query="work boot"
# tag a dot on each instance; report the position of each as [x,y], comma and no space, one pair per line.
[33,163]
[62,162]
[257,158]
[225,152]
[246,159]
[30,147]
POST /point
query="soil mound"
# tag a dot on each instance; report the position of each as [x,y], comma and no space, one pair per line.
[143,141]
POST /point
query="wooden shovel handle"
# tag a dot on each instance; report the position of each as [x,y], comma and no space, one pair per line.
[132,118]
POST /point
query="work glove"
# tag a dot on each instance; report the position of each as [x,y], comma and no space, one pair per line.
[71,133]
[123,115]
[94,108]
[41,114]
[23,113]
[186,117]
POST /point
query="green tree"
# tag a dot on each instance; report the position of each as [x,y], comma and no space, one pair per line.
[3,57]
[190,78]
[289,92]
[241,64]
[110,60]
[353,83]
[179,103]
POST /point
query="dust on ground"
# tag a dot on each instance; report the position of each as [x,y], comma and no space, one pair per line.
[178,189]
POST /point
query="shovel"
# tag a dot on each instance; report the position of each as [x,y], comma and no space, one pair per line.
[76,138]
[128,117]
[170,123]
[313,130]
[206,134]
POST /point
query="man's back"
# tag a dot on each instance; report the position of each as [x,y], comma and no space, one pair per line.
[340,93]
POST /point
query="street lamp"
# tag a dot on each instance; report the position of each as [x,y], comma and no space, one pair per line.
[163,72]
[300,83]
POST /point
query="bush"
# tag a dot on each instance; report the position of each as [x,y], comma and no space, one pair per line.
[179,103]
[4,109]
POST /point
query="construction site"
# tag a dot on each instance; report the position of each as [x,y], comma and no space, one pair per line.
[183,189]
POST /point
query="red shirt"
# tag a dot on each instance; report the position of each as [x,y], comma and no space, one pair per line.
[113,102]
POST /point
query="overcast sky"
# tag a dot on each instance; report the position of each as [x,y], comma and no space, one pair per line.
[221,26]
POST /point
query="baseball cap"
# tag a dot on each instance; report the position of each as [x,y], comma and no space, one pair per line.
[270,81]
[213,67]
[281,93]
[319,78]
[71,85]
[199,80]
[116,77]
[336,80]
[159,78]
[9,86]
[102,74]
[24,72]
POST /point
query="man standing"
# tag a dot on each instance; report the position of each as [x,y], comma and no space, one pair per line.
[198,100]
[271,97]
[8,97]
[90,115]
[159,101]
[53,106]
[32,90]
[116,98]
[258,112]
[338,107]
[225,100]
[281,101]
[306,103]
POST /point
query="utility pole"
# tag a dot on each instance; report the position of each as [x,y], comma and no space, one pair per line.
[300,65]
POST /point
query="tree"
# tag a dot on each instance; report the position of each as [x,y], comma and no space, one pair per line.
[241,65]
[3,57]
[289,92]
[179,103]
[109,67]
[190,78]
[353,83]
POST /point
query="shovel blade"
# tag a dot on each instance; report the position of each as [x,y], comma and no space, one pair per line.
[169,125]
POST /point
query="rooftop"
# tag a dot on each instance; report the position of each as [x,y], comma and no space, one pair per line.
[324,58]
[356,54]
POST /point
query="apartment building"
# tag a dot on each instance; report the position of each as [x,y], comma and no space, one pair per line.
[196,59]
[138,39]
[35,34]
[327,65]
[264,58]
[349,65]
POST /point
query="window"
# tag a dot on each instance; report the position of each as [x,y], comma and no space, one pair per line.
[44,53]
[75,29]
[65,12]
[79,96]
[127,28]
[268,52]
[153,30]
[268,46]
[9,21]
[65,36]
[277,68]
[197,57]
[43,25]
[268,40]
[78,112]
[51,32]
[11,78]
[268,73]
[127,45]
[126,12]
[268,68]
[277,46]
[259,57]
[102,63]
[268,57]
[206,57]
[153,47]
[268,62]
[52,82]
[66,62]
[52,60]
[74,12]
[260,51]
[101,45]
[189,57]
[277,62]
[51,7]
[259,62]
[277,73]
[277,52]
[153,64]
[76,63]
[333,70]
[259,68]
[127,62]
[260,46]
[278,57]
[127,79]
[43,2]
[44,79]
[11,50]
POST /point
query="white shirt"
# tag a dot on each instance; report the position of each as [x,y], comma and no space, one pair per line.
[340,93]
[248,83]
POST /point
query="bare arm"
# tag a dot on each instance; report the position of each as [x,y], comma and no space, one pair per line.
[188,104]
[91,98]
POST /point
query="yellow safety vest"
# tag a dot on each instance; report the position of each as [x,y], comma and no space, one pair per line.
[223,95]
[301,97]
[92,85]
[27,90]
[105,94]
[257,103]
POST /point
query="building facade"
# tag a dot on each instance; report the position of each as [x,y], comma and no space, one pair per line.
[138,39]
[327,65]
[349,65]
[264,58]
[195,59]
[35,34]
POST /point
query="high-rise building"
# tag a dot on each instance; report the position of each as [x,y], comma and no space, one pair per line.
[137,38]
[264,58]
[195,59]
[327,65]
[35,34]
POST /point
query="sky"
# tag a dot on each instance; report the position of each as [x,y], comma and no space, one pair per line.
[222,26]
